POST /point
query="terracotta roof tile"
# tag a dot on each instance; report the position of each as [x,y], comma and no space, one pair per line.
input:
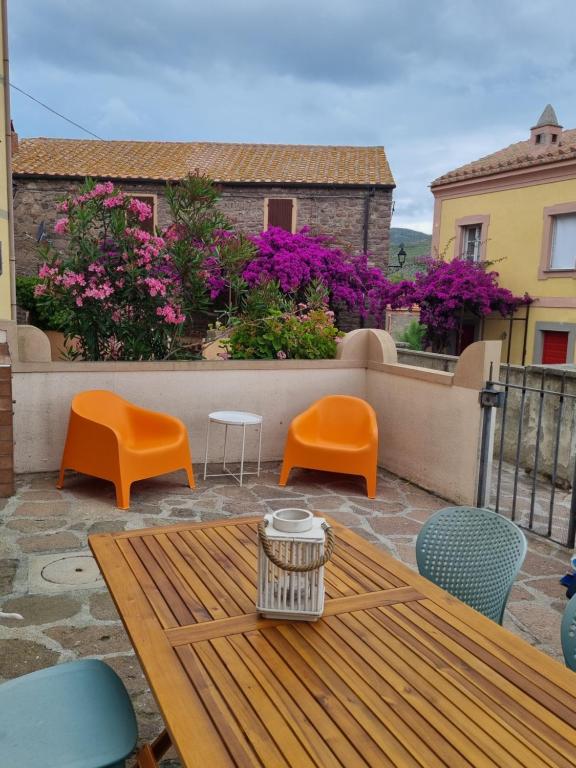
[266,163]
[519,155]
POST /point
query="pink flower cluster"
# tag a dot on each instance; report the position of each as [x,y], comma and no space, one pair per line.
[142,210]
[171,314]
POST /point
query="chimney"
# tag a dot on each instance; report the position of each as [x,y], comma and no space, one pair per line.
[547,132]
[13,139]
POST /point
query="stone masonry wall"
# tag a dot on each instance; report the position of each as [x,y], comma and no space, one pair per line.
[338,212]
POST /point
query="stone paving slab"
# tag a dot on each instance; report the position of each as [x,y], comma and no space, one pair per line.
[68,620]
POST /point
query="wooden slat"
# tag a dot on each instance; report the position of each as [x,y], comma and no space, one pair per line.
[337,707]
[480,730]
[484,692]
[238,706]
[177,699]
[376,722]
[151,590]
[238,624]
[220,580]
[311,733]
[396,673]
[180,598]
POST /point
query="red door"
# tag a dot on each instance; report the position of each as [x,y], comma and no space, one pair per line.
[554,347]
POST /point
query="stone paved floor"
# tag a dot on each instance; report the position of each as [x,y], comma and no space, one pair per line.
[63,621]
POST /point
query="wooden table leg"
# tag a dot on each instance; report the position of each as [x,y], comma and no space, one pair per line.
[149,754]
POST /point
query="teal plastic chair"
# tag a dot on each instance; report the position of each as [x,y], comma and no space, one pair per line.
[568,634]
[75,715]
[474,554]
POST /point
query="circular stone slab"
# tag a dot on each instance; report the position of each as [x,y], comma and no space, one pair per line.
[73,571]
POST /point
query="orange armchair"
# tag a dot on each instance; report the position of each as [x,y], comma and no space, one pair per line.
[109,437]
[338,433]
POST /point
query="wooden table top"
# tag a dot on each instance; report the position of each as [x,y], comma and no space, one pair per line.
[396,673]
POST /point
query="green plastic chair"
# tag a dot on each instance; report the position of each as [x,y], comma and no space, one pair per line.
[568,634]
[75,715]
[474,554]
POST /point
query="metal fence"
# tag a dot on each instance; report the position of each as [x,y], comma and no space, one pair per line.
[527,469]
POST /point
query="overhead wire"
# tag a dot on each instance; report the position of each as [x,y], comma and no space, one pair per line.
[68,120]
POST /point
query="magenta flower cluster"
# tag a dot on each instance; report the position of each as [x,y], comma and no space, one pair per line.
[447,290]
[295,260]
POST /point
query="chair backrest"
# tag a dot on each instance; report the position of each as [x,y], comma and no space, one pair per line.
[474,554]
[103,406]
[344,416]
[568,634]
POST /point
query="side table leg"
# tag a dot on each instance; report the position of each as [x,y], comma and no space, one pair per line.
[259,449]
[242,457]
[225,443]
[206,455]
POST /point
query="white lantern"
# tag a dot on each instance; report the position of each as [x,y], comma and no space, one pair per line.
[294,547]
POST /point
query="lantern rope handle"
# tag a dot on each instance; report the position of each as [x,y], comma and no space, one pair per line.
[312,566]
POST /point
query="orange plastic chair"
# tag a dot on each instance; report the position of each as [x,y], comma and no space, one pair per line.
[109,437]
[338,433]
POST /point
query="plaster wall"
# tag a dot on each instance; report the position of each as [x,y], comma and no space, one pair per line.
[514,243]
[188,391]
[429,432]
[429,421]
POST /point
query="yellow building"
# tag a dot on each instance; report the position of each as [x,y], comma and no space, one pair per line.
[7,273]
[516,209]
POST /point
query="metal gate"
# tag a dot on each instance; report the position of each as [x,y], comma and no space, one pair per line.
[527,467]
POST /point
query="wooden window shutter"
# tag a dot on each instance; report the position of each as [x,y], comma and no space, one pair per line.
[280,212]
[554,347]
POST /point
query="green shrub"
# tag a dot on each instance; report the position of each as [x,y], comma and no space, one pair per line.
[46,317]
[414,336]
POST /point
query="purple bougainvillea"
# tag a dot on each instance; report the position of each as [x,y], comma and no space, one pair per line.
[295,260]
[447,290]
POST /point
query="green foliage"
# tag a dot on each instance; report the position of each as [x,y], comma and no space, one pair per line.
[47,316]
[413,335]
[273,327]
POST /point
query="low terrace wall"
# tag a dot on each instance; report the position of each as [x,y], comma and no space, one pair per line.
[429,421]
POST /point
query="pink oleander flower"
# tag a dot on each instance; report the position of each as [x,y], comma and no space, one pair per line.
[155,286]
[141,209]
[172,315]
[69,279]
[114,202]
[281,355]
[101,293]
[79,302]
[61,226]
[62,207]
[40,290]
[105,188]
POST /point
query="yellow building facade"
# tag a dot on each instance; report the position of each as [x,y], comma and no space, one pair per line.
[516,210]
[7,274]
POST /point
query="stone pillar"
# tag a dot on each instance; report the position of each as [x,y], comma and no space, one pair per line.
[6,416]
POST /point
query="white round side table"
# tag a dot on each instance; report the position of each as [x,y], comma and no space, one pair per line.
[234,419]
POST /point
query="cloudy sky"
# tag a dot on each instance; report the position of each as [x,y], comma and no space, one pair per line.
[438,83]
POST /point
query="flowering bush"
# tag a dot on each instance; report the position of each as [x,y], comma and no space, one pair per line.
[296,260]
[272,327]
[449,289]
[115,286]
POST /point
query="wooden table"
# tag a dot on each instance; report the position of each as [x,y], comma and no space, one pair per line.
[396,673]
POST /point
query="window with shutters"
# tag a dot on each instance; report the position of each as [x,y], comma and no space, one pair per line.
[558,257]
[554,343]
[471,237]
[150,224]
[554,347]
[280,212]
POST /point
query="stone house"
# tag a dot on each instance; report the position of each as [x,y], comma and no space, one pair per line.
[342,191]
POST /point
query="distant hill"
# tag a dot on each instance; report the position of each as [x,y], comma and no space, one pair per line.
[408,236]
[416,244]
